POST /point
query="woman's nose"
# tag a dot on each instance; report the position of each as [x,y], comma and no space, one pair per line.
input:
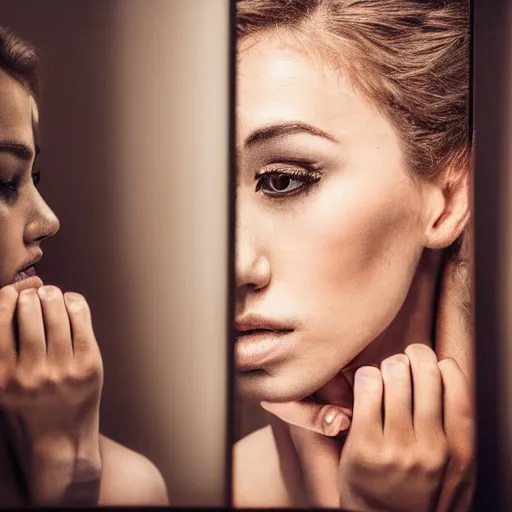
[43,224]
[252,266]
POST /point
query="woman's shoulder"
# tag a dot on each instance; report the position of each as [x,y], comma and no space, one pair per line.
[258,479]
[129,478]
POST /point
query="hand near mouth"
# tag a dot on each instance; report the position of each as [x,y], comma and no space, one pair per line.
[51,377]
[379,464]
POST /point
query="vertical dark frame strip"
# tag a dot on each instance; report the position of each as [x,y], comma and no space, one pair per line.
[230,420]
[490,121]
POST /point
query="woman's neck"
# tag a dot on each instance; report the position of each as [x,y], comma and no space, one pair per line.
[415,320]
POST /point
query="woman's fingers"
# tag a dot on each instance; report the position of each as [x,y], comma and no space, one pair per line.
[324,419]
[56,321]
[84,340]
[460,432]
[396,377]
[458,410]
[25,284]
[327,412]
[32,344]
[367,424]
[427,392]
[8,301]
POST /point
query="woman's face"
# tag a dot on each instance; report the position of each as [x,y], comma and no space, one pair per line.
[25,219]
[330,223]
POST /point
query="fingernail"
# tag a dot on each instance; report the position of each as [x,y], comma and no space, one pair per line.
[44,293]
[398,368]
[335,422]
[361,375]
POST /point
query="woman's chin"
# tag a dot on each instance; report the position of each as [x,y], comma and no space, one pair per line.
[259,386]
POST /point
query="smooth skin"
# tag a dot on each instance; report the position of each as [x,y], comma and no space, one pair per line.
[336,237]
[429,452]
[51,373]
[429,449]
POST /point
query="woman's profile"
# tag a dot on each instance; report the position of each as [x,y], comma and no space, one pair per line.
[353,144]
[50,366]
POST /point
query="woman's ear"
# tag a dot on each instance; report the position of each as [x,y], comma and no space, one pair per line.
[447,207]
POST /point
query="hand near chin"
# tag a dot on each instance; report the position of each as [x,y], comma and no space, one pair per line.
[50,385]
[410,445]
[396,456]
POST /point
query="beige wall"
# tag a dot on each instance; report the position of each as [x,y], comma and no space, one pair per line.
[135,140]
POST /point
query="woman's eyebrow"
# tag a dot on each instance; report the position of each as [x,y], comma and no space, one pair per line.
[19,150]
[273,131]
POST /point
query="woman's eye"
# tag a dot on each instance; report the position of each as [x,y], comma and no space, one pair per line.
[279,183]
[8,190]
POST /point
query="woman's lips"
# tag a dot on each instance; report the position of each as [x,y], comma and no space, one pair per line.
[256,347]
[27,278]
[25,274]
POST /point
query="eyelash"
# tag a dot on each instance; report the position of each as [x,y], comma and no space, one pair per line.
[307,177]
[9,188]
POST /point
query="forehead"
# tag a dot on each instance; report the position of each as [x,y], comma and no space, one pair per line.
[16,111]
[278,80]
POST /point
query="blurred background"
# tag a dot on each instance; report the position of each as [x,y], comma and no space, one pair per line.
[134,129]
[492,81]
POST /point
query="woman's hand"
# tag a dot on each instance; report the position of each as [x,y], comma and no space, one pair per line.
[313,425]
[410,444]
[406,431]
[51,378]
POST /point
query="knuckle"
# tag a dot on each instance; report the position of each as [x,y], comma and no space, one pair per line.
[432,467]
[50,380]
[37,381]
[429,367]
[363,460]
[393,460]
[366,457]
[434,461]
[27,383]
[27,296]
[90,371]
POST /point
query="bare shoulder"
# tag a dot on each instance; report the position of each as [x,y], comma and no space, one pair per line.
[129,478]
[257,474]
